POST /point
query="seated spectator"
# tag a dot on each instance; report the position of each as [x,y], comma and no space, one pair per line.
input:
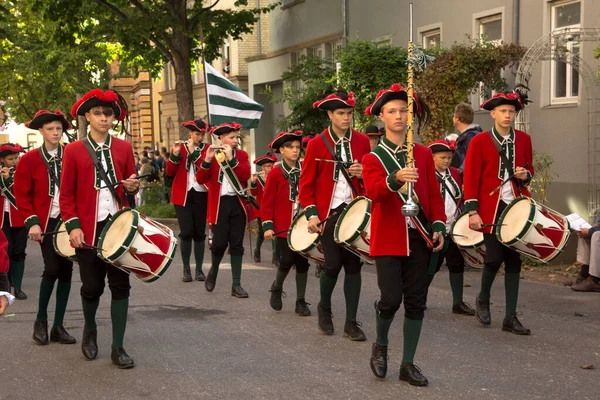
[588,254]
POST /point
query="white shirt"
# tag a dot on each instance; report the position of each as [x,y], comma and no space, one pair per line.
[341,192]
[55,208]
[449,203]
[506,194]
[226,187]
[107,205]
[6,205]
[192,183]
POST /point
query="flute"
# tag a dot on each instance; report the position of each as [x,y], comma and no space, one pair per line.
[346,164]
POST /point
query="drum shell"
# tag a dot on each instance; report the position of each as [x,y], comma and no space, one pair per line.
[359,242]
[62,245]
[313,250]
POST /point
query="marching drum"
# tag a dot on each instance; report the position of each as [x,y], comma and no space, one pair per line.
[136,244]
[304,243]
[533,229]
[469,242]
[353,228]
[61,243]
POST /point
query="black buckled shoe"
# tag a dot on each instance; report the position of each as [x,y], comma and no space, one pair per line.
[482,311]
[379,359]
[121,359]
[352,330]
[513,325]
[40,332]
[210,282]
[20,295]
[302,308]
[200,275]
[89,346]
[187,274]
[276,295]
[412,374]
[60,335]
[239,292]
[325,320]
[463,308]
[256,256]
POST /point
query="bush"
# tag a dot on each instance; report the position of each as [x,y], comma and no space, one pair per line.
[157,210]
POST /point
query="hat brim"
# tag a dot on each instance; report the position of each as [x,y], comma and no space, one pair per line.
[39,121]
[333,104]
[224,130]
[500,101]
[438,148]
[277,143]
[196,126]
[386,97]
[87,105]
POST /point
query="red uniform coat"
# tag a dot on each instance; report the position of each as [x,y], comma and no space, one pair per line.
[208,174]
[4,261]
[277,207]
[257,189]
[317,182]
[15,218]
[32,189]
[481,174]
[176,168]
[389,231]
[78,196]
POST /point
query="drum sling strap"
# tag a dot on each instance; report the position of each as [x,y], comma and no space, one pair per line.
[235,183]
[51,172]
[101,171]
[338,159]
[505,162]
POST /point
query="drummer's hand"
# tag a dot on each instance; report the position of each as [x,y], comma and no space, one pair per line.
[228,150]
[131,185]
[475,222]
[439,239]
[3,304]
[269,235]
[176,149]
[521,173]
[313,225]
[35,233]
[356,169]
[407,175]
[76,238]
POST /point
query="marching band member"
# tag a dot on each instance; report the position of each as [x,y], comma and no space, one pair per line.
[278,209]
[11,220]
[226,170]
[374,134]
[326,188]
[493,157]
[86,205]
[37,183]
[189,198]
[401,258]
[6,298]
[257,189]
[451,189]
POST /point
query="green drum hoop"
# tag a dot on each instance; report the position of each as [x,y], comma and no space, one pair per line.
[302,251]
[526,226]
[128,240]
[360,228]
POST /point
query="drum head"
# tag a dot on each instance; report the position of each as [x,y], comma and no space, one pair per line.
[62,244]
[352,220]
[117,233]
[299,239]
[466,237]
[515,219]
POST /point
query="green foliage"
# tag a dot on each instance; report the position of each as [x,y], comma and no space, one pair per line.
[457,72]
[597,56]
[158,210]
[37,73]
[544,175]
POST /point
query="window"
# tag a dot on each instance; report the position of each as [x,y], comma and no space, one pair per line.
[431,38]
[490,28]
[315,51]
[565,78]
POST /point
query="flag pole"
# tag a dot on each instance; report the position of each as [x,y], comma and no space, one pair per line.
[212,140]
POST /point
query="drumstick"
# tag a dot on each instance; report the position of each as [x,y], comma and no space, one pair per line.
[51,233]
[89,246]
[506,180]
[135,177]
[318,225]
[487,225]
[346,163]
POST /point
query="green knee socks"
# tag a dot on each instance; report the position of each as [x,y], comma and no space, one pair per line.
[282,273]
[199,253]
[326,285]
[236,270]
[63,289]
[511,288]
[89,313]
[382,327]
[118,316]
[46,288]
[487,280]
[301,279]
[18,270]
[352,284]
[412,333]
[185,245]
[456,284]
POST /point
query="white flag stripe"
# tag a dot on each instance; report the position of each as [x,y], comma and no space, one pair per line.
[223,110]
[219,91]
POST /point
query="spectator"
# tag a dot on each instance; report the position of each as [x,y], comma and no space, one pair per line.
[146,168]
[588,254]
[463,121]
[138,165]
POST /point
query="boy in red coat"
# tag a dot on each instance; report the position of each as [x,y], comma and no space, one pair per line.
[11,220]
[36,190]
[257,188]
[401,245]
[484,172]
[324,192]
[451,189]
[278,209]
[226,170]
[190,198]
[86,205]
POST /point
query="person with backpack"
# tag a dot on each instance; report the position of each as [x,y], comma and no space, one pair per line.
[463,121]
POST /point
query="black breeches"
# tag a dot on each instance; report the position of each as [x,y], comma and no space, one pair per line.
[337,256]
[289,258]
[230,227]
[192,216]
[55,267]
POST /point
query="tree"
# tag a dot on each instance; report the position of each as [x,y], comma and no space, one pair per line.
[35,73]
[148,34]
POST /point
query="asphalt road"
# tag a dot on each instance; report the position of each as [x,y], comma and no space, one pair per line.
[191,344]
